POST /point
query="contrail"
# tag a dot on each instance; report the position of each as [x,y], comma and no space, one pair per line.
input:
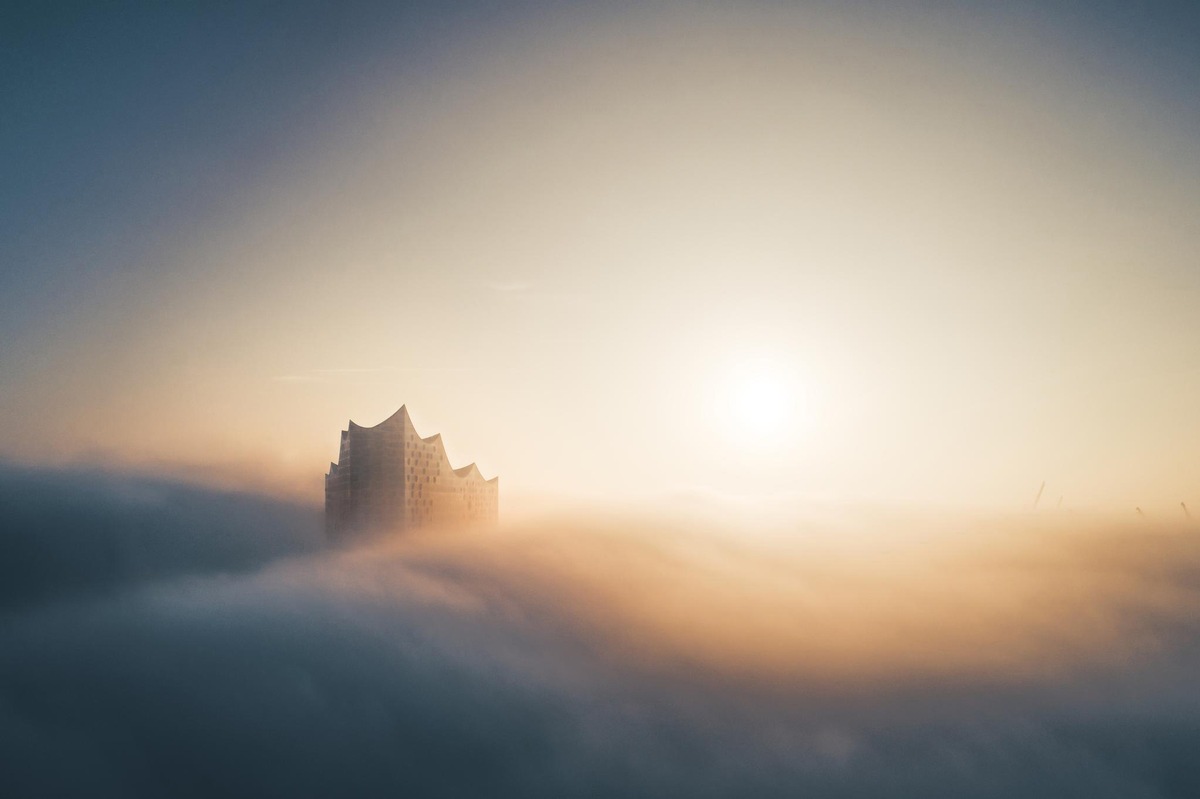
[1187,514]
[1038,498]
[1139,512]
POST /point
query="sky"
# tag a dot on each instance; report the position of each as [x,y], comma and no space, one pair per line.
[770,253]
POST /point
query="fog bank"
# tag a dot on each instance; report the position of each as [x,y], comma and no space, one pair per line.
[225,652]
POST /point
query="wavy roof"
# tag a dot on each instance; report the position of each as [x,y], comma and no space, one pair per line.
[403,417]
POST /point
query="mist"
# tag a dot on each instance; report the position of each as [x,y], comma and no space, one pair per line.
[158,639]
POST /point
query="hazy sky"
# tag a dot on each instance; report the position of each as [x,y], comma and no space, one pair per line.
[837,252]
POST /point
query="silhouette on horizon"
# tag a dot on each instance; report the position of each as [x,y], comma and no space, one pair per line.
[390,479]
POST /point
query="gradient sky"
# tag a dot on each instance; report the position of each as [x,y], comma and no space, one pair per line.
[963,237]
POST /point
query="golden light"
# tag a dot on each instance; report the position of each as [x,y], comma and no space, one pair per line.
[761,405]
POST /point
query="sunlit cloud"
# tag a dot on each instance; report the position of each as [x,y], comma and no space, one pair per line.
[905,655]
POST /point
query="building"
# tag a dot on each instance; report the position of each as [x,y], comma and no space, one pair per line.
[388,478]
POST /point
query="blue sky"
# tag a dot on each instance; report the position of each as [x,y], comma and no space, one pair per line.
[125,121]
[135,133]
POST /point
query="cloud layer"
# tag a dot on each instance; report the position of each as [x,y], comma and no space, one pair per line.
[75,532]
[164,640]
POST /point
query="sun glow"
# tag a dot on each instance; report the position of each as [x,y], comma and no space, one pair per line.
[761,404]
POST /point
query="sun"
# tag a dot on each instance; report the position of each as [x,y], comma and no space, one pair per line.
[761,405]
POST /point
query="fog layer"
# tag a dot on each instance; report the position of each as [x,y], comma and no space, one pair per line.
[157,639]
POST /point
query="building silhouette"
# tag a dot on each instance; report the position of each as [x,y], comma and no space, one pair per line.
[390,479]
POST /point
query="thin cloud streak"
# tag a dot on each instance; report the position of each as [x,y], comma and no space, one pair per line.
[326,375]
